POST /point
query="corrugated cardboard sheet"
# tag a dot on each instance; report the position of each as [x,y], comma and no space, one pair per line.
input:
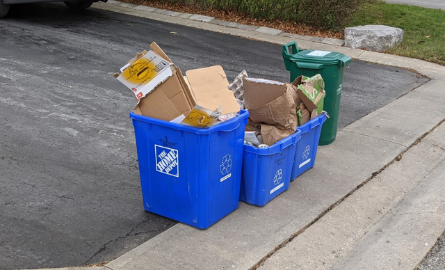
[210,89]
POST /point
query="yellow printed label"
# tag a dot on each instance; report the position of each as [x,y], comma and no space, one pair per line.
[145,74]
[199,118]
[141,71]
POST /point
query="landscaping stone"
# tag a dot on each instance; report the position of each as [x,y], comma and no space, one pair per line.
[376,38]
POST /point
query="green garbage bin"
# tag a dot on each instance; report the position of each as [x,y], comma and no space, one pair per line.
[330,66]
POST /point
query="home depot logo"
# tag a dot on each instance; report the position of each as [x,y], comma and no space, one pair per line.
[167,160]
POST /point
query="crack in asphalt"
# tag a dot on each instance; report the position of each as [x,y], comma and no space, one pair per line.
[104,246]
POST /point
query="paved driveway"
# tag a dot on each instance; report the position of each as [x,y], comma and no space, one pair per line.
[69,187]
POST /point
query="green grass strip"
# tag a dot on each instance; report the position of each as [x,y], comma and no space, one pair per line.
[424,29]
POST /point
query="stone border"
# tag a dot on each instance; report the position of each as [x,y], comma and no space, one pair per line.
[212,20]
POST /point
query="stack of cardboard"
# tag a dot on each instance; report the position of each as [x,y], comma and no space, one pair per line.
[163,93]
[202,98]
[276,109]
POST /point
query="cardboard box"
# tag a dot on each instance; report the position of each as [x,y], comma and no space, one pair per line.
[163,92]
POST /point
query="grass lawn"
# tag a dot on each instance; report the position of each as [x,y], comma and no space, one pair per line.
[424,29]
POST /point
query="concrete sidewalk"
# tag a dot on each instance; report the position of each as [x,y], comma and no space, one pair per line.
[373,199]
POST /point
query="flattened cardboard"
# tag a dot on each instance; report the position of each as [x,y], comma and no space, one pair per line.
[184,85]
[259,92]
[169,99]
[144,73]
[159,51]
[175,96]
[210,89]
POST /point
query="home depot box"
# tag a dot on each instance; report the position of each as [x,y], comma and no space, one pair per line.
[163,93]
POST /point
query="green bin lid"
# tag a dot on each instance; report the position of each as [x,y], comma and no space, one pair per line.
[321,57]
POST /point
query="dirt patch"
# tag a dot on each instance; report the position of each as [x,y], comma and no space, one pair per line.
[295,28]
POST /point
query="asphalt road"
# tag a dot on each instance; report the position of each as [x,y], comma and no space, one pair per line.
[69,183]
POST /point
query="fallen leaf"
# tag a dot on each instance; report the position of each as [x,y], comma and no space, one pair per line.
[173,33]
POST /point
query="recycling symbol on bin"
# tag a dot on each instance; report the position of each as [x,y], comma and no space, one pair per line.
[226,164]
[306,152]
[278,177]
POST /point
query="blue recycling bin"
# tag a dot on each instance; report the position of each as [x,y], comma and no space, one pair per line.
[307,146]
[189,174]
[266,172]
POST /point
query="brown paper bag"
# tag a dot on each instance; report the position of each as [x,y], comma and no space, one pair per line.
[305,114]
[280,112]
[271,134]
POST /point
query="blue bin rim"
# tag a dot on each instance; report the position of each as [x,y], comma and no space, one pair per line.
[313,123]
[278,147]
[226,126]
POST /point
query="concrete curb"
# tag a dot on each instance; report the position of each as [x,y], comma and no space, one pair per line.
[431,70]
[212,20]
[365,148]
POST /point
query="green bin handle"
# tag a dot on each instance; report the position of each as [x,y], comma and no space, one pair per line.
[309,65]
[344,61]
[287,54]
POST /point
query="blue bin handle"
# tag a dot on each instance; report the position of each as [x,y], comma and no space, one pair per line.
[315,124]
[309,65]
[288,50]
[232,128]
[228,126]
